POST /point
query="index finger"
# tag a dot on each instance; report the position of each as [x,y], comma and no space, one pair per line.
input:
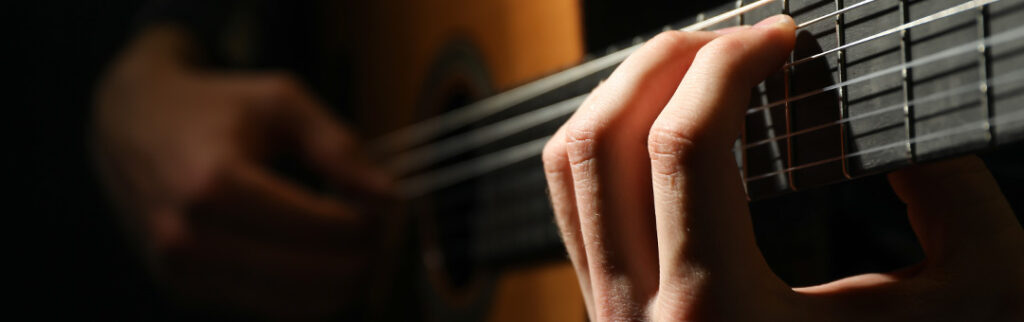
[249,200]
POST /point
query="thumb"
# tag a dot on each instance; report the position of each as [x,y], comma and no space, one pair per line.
[957,211]
[304,124]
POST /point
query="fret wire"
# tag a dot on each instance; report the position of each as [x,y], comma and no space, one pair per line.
[836,13]
[908,91]
[1002,37]
[984,68]
[843,91]
[946,13]
[1017,116]
[949,52]
[739,17]
[787,85]
[964,89]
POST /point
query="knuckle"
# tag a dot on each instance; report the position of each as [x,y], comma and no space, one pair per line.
[669,142]
[722,51]
[724,46]
[583,141]
[723,58]
[673,42]
[668,149]
[693,297]
[583,129]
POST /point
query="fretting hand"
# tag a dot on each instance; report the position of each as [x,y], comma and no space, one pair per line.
[653,214]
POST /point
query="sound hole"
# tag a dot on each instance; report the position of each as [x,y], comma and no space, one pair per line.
[455,212]
[446,217]
[798,134]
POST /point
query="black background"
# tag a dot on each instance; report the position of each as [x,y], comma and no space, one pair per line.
[77,263]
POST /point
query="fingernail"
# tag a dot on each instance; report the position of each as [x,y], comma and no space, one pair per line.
[776,21]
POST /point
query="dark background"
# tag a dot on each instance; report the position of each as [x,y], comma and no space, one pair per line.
[75,259]
[76,262]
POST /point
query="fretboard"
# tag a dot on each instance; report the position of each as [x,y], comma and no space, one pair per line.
[872,85]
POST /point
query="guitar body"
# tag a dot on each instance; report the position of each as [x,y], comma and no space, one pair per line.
[425,58]
[405,48]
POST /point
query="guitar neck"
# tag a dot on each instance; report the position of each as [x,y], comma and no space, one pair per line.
[872,85]
[929,91]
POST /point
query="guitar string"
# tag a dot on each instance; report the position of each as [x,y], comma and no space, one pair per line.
[945,13]
[808,94]
[539,142]
[964,89]
[432,181]
[425,130]
[711,22]
[923,60]
[982,125]
[422,157]
[433,127]
[437,179]
[427,155]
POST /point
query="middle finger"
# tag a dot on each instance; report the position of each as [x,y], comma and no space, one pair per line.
[605,145]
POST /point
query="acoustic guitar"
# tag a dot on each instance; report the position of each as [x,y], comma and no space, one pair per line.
[872,86]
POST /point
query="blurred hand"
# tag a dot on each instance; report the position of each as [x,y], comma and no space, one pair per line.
[182,152]
[655,220]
